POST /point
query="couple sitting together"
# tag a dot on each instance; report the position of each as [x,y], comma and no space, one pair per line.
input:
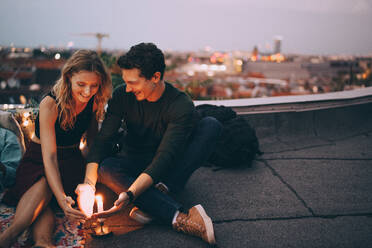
[165,142]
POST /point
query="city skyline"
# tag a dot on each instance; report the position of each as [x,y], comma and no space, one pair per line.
[308,27]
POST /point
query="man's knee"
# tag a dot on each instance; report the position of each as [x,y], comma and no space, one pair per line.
[107,166]
[211,125]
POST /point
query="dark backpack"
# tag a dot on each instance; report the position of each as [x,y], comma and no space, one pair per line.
[238,144]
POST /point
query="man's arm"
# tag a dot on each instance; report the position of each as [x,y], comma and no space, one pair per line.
[100,149]
[182,121]
[101,146]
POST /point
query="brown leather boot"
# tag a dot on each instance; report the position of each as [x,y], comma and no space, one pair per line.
[196,223]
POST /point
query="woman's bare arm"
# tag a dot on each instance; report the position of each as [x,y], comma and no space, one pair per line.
[48,114]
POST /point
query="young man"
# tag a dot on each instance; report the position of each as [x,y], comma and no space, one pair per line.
[165,142]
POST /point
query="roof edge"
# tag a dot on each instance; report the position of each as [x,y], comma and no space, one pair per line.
[296,103]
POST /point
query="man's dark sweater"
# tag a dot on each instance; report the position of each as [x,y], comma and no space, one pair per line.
[160,129]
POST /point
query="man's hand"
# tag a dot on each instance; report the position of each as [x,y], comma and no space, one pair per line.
[119,204]
[85,198]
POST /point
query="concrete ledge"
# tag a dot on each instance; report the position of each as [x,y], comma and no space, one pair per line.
[296,103]
[330,116]
[331,123]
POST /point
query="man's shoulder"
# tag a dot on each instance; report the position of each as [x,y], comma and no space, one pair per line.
[120,94]
[119,91]
[179,101]
[177,94]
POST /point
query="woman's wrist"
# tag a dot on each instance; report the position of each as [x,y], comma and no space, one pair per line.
[61,199]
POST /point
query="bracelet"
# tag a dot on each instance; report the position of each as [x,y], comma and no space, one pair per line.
[130,196]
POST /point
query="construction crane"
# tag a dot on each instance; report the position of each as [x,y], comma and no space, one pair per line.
[99,37]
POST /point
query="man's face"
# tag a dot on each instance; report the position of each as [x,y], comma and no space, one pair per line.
[141,87]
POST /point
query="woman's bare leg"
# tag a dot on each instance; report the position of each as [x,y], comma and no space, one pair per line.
[28,209]
[43,228]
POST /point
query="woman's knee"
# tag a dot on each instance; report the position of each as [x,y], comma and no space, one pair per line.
[43,187]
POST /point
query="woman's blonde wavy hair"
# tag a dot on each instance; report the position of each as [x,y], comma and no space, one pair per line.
[81,60]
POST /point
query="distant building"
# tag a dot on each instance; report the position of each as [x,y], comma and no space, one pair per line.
[332,69]
[286,71]
[277,45]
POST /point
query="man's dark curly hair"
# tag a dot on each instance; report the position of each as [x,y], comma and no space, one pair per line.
[146,57]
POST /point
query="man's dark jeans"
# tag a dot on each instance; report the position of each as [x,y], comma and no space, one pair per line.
[118,173]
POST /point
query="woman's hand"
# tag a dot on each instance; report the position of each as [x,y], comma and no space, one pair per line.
[119,204]
[71,213]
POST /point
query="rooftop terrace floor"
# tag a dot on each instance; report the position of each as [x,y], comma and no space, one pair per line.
[311,188]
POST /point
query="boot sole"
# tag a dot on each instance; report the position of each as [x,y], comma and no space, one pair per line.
[139,218]
[208,224]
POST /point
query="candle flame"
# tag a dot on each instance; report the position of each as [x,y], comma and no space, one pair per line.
[98,198]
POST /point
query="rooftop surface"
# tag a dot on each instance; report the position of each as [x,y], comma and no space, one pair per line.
[312,187]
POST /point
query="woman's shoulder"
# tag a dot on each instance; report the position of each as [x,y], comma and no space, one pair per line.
[48,104]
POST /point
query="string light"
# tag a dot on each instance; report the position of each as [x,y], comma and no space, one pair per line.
[26,123]
[26,114]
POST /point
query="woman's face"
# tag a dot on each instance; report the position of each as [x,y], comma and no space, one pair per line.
[84,85]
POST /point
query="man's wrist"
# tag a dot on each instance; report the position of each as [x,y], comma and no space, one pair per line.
[130,196]
[91,184]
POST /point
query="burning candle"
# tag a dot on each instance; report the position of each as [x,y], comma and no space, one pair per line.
[99,203]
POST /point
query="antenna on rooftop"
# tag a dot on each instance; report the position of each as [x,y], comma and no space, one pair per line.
[99,37]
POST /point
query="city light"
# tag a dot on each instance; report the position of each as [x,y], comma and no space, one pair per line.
[26,123]
[26,114]
[70,44]
[191,73]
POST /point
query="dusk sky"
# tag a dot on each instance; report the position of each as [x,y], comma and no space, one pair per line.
[306,26]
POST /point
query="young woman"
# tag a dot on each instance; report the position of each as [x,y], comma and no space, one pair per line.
[53,164]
